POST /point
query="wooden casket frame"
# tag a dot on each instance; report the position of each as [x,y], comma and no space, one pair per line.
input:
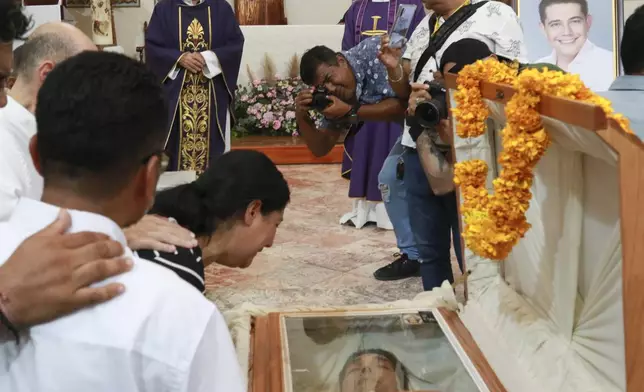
[266,363]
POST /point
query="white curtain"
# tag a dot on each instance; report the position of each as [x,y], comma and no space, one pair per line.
[558,310]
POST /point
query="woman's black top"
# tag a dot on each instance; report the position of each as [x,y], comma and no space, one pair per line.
[186,263]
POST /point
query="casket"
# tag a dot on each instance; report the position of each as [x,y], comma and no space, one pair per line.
[561,313]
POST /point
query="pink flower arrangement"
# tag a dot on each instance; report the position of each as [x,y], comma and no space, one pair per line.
[264,108]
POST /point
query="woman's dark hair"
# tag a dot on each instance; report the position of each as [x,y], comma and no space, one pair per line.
[224,191]
[402,374]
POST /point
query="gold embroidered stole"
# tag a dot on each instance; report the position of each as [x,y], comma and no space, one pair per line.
[194,106]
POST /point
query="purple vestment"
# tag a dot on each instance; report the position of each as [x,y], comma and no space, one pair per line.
[198,105]
[366,151]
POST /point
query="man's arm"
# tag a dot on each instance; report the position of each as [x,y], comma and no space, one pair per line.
[50,274]
[214,366]
[399,78]
[319,141]
[390,109]
[228,53]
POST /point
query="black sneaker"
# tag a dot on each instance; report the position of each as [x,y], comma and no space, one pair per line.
[401,268]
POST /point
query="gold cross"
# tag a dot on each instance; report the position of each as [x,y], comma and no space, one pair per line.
[374,32]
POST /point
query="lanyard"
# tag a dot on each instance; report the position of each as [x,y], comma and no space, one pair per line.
[437,25]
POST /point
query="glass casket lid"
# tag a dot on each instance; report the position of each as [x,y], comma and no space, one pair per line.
[369,351]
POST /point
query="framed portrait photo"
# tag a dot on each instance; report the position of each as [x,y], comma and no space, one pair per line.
[579,36]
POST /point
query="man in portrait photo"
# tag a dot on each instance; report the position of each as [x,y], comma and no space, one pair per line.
[566,24]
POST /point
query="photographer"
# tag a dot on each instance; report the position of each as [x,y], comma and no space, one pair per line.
[432,216]
[351,87]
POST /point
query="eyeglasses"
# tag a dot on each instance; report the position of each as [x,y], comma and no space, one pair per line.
[164,159]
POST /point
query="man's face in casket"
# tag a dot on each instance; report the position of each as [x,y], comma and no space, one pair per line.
[337,79]
[370,373]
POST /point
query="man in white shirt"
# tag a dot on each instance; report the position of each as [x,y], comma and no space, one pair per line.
[403,182]
[51,272]
[99,148]
[48,45]
[566,24]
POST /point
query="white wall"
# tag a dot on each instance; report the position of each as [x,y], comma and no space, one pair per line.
[281,43]
[630,6]
[315,12]
[129,21]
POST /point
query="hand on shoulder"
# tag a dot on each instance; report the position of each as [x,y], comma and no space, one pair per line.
[157,233]
[50,273]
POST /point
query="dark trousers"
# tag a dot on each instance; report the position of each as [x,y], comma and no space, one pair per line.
[434,222]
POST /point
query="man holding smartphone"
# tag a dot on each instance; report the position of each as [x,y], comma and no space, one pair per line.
[367,150]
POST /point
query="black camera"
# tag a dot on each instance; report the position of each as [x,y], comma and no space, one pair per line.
[320,101]
[429,113]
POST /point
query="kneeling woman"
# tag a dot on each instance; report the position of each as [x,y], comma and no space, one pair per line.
[233,208]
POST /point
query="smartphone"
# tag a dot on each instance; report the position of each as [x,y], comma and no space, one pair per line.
[400,28]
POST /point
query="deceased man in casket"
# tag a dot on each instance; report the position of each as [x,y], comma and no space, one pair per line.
[384,353]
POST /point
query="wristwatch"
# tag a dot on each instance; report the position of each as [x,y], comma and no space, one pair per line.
[352,116]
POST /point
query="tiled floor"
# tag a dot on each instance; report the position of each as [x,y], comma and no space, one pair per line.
[314,261]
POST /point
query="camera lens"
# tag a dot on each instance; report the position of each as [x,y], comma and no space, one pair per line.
[428,113]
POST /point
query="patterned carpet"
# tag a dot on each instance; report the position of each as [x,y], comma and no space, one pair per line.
[314,261]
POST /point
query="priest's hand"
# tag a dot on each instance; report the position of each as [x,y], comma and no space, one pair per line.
[337,109]
[303,102]
[193,62]
[388,56]
[157,233]
[50,274]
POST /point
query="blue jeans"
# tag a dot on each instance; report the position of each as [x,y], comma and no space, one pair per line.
[432,219]
[394,195]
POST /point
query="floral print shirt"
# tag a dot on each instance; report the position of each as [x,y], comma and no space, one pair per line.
[372,84]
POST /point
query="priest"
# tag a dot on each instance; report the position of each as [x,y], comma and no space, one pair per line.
[195,48]
[366,152]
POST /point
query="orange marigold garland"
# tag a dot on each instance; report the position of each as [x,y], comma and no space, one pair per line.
[494,223]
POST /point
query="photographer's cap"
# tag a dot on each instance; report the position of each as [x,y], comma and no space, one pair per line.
[464,52]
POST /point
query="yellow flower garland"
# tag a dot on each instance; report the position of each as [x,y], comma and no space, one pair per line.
[494,224]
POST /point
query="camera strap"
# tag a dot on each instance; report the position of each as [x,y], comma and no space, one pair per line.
[438,38]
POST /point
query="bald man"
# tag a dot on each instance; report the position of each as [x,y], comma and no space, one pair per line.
[47,46]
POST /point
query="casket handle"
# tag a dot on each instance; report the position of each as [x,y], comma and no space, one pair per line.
[500,95]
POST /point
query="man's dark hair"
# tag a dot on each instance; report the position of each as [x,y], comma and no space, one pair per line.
[544,4]
[632,41]
[224,191]
[50,46]
[464,52]
[100,117]
[13,23]
[312,59]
